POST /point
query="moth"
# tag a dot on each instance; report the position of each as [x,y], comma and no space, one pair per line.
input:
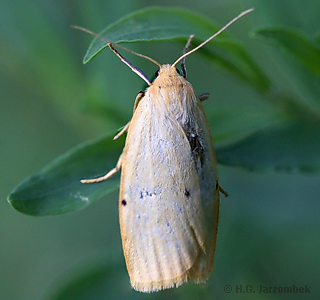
[169,190]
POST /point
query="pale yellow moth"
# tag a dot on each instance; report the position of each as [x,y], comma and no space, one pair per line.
[169,190]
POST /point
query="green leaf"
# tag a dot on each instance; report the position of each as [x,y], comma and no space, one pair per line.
[111,281]
[233,123]
[294,42]
[161,24]
[285,146]
[57,188]
[154,24]
[106,281]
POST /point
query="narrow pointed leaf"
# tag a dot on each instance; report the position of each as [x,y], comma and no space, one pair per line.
[57,188]
[294,42]
[286,146]
[160,24]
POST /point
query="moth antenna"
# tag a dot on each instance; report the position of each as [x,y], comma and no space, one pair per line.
[117,45]
[213,36]
[130,65]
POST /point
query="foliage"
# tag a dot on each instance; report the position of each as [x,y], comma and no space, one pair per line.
[290,140]
[282,135]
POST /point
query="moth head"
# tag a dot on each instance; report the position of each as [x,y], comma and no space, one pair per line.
[168,70]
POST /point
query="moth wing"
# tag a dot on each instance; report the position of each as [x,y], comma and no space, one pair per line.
[205,159]
[162,220]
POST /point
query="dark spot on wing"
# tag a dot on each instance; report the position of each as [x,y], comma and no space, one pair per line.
[145,193]
[124,202]
[186,193]
[196,148]
[169,227]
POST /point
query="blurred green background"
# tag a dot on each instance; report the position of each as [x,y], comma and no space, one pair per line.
[269,227]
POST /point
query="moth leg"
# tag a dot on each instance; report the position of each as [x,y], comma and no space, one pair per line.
[137,100]
[125,128]
[221,190]
[122,131]
[108,175]
[204,96]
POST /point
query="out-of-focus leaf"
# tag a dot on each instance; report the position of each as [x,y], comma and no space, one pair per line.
[230,124]
[155,24]
[57,188]
[111,281]
[294,42]
[285,146]
[106,281]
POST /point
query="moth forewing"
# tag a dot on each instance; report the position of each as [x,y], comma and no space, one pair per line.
[168,192]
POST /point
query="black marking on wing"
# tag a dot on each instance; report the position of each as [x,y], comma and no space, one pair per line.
[144,193]
[196,148]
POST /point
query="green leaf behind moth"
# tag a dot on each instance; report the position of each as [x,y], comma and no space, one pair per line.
[91,284]
[154,24]
[161,24]
[57,188]
[293,42]
[106,280]
[286,146]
